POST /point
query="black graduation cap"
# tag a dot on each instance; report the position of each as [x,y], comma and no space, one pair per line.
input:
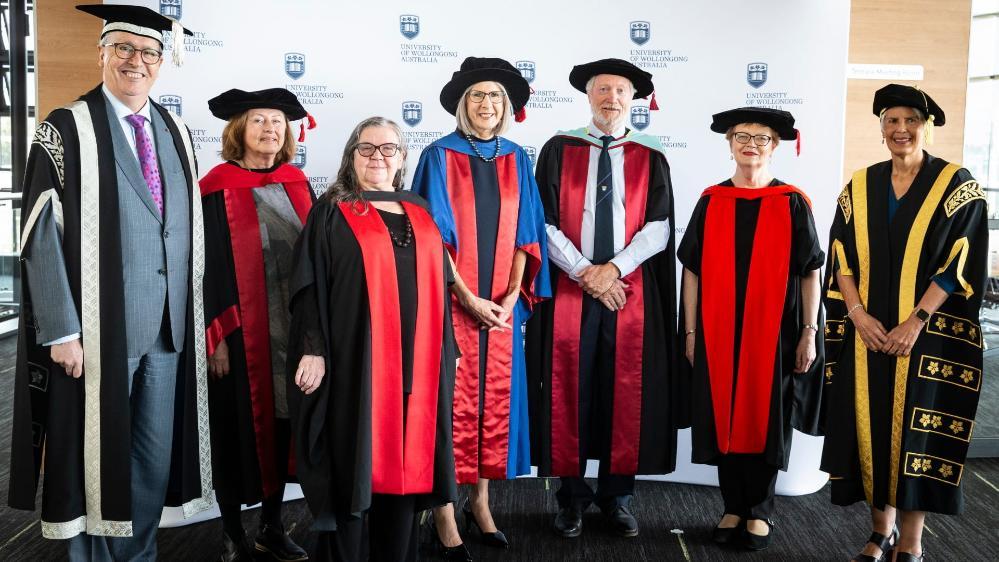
[479,69]
[782,122]
[139,20]
[581,74]
[895,95]
[235,102]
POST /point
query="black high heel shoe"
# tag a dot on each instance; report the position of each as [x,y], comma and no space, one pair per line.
[758,542]
[495,540]
[908,557]
[886,544]
[452,553]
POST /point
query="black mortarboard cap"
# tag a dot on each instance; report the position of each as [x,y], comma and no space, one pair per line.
[484,69]
[642,80]
[895,95]
[139,20]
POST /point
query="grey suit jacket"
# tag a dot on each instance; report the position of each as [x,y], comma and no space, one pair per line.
[155,251]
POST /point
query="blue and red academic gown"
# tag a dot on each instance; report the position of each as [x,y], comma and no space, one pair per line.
[486,211]
[646,405]
[236,310]
[749,249]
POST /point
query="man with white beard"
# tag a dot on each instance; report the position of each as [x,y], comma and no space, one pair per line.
[601,378]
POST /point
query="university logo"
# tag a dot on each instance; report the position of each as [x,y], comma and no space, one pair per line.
[412,113]
[532,153]
[526,69]
[171,8]
[409,25]
[299,161]
[172,103]
[640,117]
[756,74]
[294,65]
[640,31]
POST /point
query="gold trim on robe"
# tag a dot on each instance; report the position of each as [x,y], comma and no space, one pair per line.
[862,399]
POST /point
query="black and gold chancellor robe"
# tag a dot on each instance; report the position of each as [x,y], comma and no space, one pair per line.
[898,428]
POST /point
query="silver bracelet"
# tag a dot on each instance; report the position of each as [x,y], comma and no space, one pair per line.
[688,332]
[811,327]
[852,308]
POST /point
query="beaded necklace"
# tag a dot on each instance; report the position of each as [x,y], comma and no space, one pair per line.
[479,154]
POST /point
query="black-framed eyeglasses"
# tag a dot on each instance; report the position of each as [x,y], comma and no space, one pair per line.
[126,51]
[759,140]
[495,96]
[367,149]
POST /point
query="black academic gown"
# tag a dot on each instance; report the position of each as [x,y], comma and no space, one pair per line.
[237,312]
[50,407]
[794,399]
[898,429]
[333,425]
[642,434]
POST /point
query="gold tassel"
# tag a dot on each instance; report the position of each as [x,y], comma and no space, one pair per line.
[928,133]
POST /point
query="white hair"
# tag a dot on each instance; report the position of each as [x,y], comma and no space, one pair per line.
[589,83]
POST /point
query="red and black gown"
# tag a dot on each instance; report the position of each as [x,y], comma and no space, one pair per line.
[749,248]
[377,431]
[252,219]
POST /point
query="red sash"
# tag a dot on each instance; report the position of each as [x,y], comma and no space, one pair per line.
[628,355]
[742,413]
[402,451]
[251,286]
[487,457]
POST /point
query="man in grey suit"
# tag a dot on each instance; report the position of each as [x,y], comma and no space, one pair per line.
[111,357]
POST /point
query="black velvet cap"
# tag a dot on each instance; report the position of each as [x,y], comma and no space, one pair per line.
[581,74]
[139,20]
[476,69]
[782,122]
[895,95]
[234,102]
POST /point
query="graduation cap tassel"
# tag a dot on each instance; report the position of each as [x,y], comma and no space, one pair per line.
[301,132]
[520,115]
[797,143]
[653,106]
[177,33]
[929,130]
[312,121]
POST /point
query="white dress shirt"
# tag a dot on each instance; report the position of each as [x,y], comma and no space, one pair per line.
[647,242]
[121,111]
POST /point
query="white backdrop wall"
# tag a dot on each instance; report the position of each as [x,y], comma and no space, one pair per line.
[350,60]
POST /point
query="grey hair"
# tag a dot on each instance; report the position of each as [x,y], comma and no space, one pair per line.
[346,186]
[465,122]
[589,84]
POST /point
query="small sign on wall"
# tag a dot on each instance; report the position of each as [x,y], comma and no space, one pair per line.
[884,71]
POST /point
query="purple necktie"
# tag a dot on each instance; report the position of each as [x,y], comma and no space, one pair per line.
[147,159]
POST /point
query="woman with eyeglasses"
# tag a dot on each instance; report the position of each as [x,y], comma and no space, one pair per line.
[750,318]
[906,274]
[373,358]
[254,205]
[483,196]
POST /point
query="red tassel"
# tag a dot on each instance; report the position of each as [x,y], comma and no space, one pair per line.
[312,121]
[797,144]
[301,132]
[653,106]
[520,115]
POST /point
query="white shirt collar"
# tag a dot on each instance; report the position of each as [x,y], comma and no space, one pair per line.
[121,110]
[595,131]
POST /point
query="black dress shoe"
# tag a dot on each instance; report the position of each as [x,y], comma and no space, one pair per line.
[452,553]
[278,545]
[885,544]
[728,535]
[569,522]
[235,550]
[495,539]
[907,557]
[622,521]
[758,542]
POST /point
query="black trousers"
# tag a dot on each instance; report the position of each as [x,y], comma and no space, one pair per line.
[597,335]
[386,533]
[747,485]
[270,512]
